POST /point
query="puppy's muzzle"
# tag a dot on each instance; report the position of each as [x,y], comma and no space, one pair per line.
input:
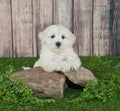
[58,44]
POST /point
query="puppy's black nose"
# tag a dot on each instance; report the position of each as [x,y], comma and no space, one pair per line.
[58,44]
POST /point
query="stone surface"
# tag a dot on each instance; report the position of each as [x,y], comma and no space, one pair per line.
[42,83]
[80,76]
[52,84]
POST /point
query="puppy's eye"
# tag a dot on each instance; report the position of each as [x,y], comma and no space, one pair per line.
[53,36]
[63,37]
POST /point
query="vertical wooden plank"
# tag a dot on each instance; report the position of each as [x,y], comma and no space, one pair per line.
[22,28]
[5,29]
[63,12]
[83,26]
[101,36]
[115,26]
[42,18]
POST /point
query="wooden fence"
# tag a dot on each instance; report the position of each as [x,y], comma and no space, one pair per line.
[96,24]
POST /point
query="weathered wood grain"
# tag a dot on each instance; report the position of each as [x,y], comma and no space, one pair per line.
[96,24]
[115,27]
[22,28]
[42,18]
[83,26]
[101,21]
[5,29]
[62,13]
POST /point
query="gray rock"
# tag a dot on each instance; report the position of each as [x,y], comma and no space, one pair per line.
[52,84]
[80,76]
[42,83]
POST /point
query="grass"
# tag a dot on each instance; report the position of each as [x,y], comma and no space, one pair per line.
[103,96]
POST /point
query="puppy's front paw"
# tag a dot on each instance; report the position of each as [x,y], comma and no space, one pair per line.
[26,68]
[65,67]
[76,65]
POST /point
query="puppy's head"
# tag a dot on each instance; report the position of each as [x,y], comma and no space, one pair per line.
[57,37]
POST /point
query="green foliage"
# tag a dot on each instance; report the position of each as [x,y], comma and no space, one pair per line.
[102,91]
[94,97]
[12,94]
[108,85]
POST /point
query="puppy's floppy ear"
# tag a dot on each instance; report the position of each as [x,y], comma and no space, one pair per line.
[41,37]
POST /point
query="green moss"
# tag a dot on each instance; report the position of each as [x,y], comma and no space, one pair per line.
[103,96]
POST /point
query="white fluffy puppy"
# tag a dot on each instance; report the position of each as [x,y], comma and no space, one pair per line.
[57,52]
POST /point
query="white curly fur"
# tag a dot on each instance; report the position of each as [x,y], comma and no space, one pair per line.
[53,58]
